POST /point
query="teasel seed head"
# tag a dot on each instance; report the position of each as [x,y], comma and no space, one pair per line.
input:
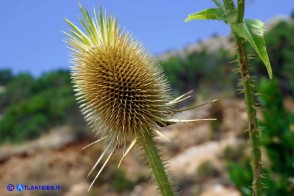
[122,91]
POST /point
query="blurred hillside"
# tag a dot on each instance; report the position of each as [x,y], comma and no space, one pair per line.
[42,130]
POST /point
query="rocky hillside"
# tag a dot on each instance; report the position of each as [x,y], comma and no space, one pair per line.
[58,158]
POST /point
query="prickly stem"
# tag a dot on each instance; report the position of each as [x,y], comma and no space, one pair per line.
[250,104]
[149,147]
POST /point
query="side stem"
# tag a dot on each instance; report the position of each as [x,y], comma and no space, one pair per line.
[151,152]
[251,112]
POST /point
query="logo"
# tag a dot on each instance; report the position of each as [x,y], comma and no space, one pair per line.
[19,187]
[10,187]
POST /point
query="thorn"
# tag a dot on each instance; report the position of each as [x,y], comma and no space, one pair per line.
[193,107]
[193,120]
[160,134]
[128,150]
[176,100]
[109,156]
[101,156]
[93,143]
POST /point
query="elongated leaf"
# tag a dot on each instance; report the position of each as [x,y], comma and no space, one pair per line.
[210,14]
[252,31]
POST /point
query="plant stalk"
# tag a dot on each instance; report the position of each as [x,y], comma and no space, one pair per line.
[151,152]
[251,109]
[251,113]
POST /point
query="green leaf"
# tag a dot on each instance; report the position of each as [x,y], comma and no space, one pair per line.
[252,31]
[210,14]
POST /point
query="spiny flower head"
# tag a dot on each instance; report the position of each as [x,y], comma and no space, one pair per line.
[122,91]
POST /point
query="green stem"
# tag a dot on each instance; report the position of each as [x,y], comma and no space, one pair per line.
[250,104]
[151,151]
[241,8]
[251,109]
[230,6]
[251,112]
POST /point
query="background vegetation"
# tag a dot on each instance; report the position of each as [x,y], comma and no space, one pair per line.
[30,106]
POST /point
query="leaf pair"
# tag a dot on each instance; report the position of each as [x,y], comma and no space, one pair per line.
[250,30]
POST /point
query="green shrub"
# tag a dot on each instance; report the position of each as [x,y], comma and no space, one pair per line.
[205,171]
[216,126]
[241,176]
[234,154]
[277,138]
[5,76]
[120,181]
[33,106]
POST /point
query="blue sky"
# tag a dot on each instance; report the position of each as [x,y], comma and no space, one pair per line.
[31,38]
